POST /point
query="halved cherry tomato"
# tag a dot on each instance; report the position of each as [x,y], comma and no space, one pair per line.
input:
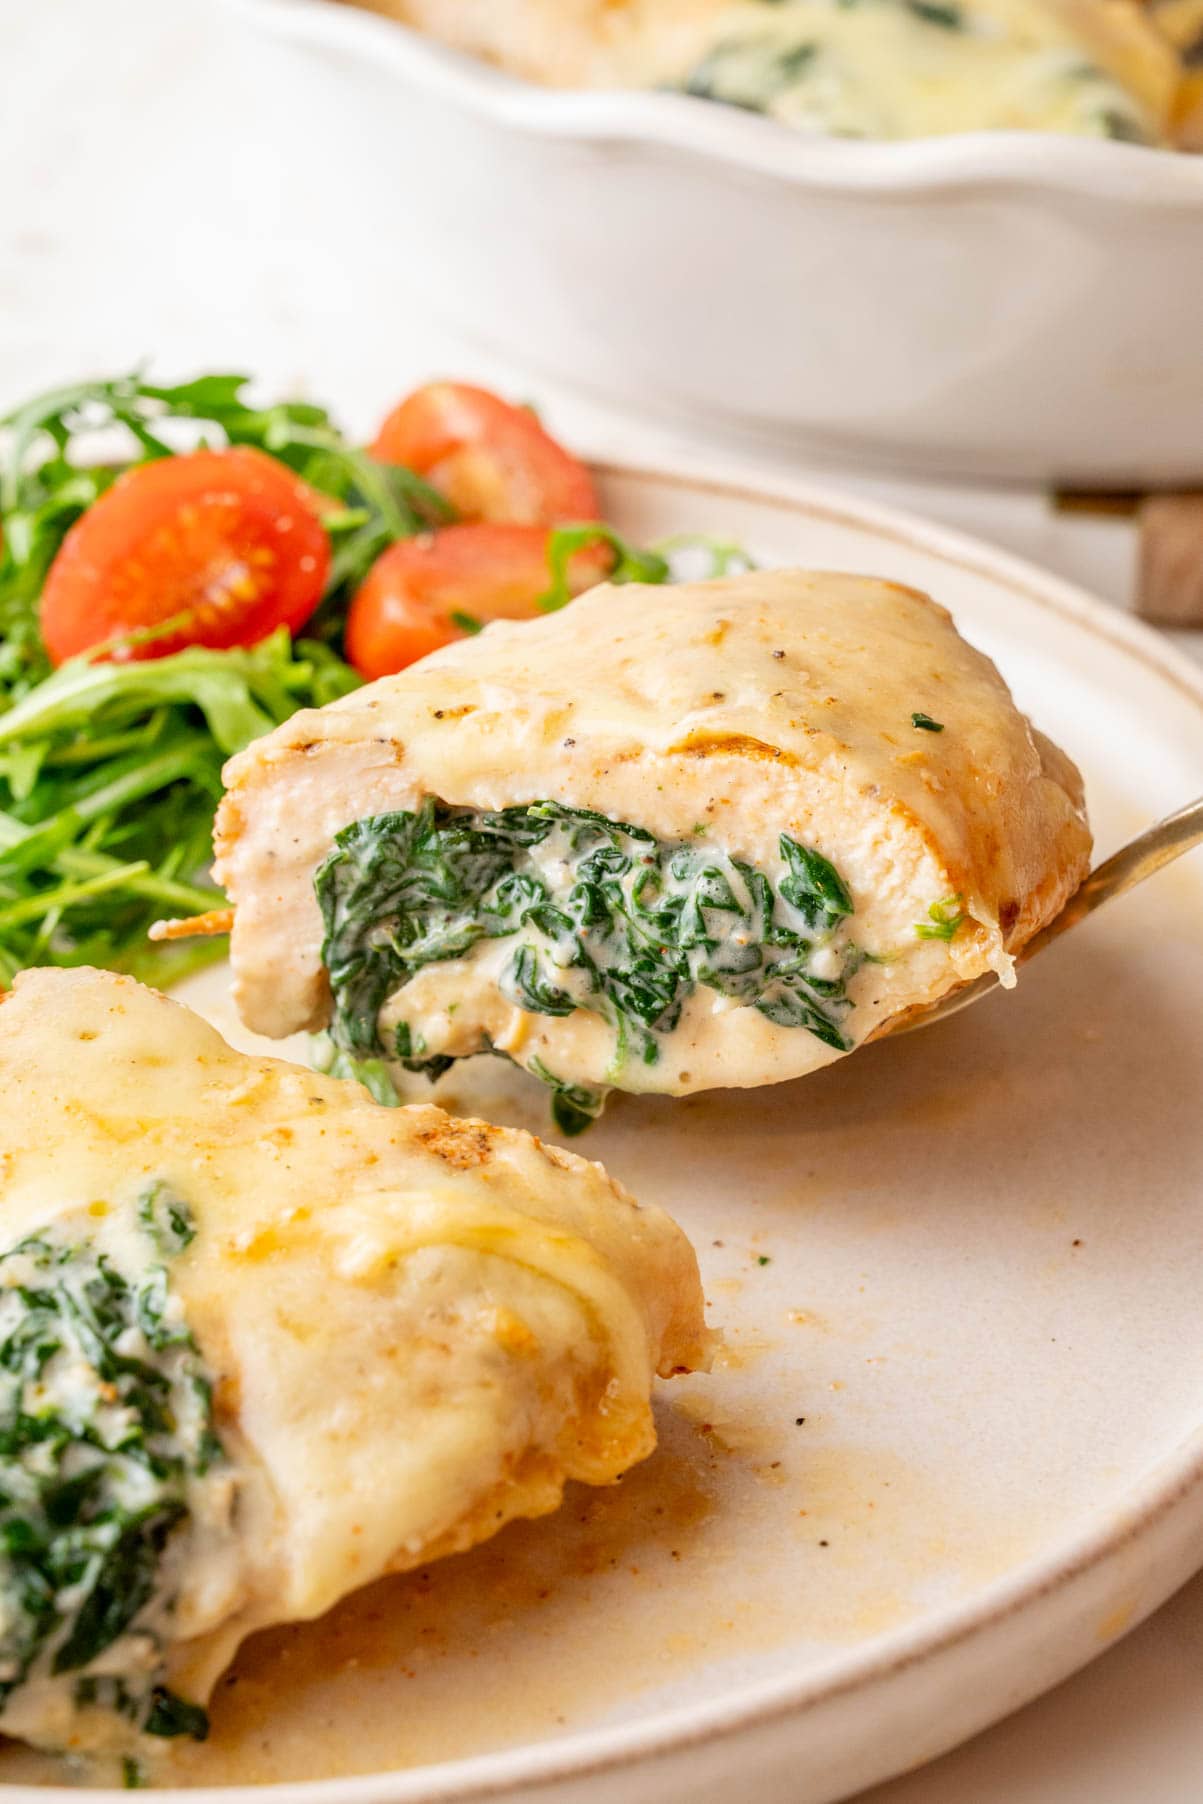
[228,543]
[425,592]
[491,460]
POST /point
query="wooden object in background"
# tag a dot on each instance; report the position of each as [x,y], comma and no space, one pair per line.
[1169,581]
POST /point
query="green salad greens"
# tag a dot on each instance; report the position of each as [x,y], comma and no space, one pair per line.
[110,771]
[601,916]
[110,775]
[106,1431]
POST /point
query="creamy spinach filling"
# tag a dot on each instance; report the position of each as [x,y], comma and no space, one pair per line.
[106,1426]
[597,914]
[810,66]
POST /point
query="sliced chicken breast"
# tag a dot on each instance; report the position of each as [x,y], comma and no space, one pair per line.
[667,839]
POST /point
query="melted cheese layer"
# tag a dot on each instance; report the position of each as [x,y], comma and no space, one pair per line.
[419,1328]
[862,68]
[922,68]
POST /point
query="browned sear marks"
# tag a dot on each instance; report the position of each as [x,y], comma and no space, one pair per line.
[731,745]
[462,1145]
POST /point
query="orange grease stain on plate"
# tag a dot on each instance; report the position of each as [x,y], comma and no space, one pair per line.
[555,1622]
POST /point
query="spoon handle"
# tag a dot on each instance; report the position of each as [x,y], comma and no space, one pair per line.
[1159,846]
[1155,848]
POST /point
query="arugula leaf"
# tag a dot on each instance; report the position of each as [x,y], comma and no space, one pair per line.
[240,693]
[112,774]
[630,564]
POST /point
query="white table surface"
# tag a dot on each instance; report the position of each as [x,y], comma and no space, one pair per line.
[156,205]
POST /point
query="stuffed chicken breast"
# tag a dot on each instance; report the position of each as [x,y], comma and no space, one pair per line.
[667,839]
[262,1341]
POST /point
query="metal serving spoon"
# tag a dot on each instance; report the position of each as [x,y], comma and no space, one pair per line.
[1157,847]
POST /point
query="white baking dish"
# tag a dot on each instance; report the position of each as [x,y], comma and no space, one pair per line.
[996,305]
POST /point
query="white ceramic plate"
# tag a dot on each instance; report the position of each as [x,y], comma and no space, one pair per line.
[991,304]
[970,1260]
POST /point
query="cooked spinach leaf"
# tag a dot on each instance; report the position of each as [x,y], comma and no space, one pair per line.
[170,1716]
[936,12]
[106,1425]
[409,1049]
[749,72]
[604,916]
[1121,126]
[573,1107]
[166,1217]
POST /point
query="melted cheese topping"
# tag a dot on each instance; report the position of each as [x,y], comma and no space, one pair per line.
[859,68]
[777,702]
[418,1328]
[921,68]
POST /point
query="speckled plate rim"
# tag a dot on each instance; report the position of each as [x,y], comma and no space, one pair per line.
[1165,1504]
[1115,172]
